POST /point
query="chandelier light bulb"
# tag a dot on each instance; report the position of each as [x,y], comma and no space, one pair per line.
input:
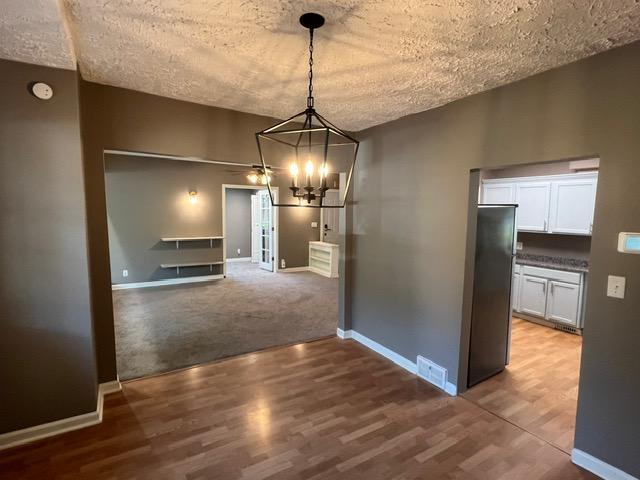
[309,168]
[293,169]
[193,197]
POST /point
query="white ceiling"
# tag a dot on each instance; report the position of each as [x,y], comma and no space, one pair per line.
[375,60]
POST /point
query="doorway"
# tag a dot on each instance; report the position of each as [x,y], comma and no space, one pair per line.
[249,206]
[537,330]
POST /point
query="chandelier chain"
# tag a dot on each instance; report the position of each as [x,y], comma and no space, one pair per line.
[310,97]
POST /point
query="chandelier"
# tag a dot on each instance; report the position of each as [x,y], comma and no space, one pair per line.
[318,155]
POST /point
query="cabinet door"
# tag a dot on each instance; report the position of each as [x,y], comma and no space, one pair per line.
[572,206]
[533,295]
[515,292]
[563,302]
[533,206]
[498,193]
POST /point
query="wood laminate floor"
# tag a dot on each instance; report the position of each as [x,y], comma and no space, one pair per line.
[539,389]
[322,410]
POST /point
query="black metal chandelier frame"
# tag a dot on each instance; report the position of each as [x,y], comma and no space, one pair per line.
[312,125]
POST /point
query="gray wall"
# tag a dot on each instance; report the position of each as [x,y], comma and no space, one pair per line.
[116,118]
[238,232]
[47,358]
[410,209]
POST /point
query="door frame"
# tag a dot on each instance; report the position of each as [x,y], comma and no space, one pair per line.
[276,224]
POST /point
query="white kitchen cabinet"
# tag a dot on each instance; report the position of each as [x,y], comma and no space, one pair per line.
[515,292]
[533,295]
[561,204]
[498,193]
[573,202]
[533,206]
[563,301]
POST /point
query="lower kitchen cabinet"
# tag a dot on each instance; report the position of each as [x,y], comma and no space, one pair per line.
[553,295]
[563,302]
[533,295]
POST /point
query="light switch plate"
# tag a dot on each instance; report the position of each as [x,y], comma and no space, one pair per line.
[314,224]
[616,286]
[125,273]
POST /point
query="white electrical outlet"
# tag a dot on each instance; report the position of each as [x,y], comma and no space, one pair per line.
[238,251]
[615,286]
[283,264]
[519,245]
[125,273]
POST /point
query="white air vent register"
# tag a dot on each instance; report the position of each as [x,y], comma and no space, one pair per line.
[432,372]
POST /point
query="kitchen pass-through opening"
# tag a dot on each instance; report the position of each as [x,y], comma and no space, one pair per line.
[531,248]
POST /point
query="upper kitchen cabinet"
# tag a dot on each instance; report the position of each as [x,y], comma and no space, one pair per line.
[573,204]
[499,193]
[549,204]
[533,206]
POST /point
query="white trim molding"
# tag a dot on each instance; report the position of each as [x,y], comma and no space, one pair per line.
[169,281]
[343,334]
[396,358]
[598,467]
[45,430]
[238,259]
[294,269]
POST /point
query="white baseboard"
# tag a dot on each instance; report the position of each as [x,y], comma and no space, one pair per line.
[294,269]
[45,430]
[396,358]
[238,259]
[598,467]
[343,334]
[169,281]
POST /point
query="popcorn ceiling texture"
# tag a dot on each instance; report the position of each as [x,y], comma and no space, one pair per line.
[32,31]
[375,60]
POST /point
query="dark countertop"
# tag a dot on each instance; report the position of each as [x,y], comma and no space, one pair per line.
[559,263]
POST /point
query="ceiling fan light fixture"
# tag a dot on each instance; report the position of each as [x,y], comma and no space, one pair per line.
[308,141]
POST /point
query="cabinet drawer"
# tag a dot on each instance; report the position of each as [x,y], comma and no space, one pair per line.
[562,276]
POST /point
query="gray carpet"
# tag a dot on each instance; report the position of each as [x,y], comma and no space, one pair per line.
[164,328]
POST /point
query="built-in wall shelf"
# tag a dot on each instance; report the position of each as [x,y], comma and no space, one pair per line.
[178,266]
[191,239]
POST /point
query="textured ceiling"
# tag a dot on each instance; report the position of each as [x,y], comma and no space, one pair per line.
[375,60]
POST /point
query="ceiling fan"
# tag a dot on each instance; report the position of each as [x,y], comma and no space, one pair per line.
[257,174]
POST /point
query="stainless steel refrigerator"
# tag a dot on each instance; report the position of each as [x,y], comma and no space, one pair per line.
[491,310]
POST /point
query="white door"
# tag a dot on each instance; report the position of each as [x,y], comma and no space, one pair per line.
[515,292]
[533,295]
[255,230]
[572,203]
[266,230]
[329,219]
[563,302]
[533,206]
[498,193]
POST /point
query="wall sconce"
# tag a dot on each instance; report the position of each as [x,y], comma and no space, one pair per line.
[193,197]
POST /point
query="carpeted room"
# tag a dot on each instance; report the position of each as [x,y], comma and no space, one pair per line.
[209,295]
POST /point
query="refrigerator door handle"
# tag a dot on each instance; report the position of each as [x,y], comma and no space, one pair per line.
[544,287]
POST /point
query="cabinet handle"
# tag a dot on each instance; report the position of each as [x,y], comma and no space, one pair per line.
[545,225]
[544,288]
[591,227]
[552,289]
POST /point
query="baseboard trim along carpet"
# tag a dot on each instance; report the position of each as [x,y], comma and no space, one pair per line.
[294,269]
[238,259]
[38,432]
[598,467]
[396,358]
[169,281]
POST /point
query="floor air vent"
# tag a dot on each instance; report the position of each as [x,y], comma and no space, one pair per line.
[567,328]
[432,372]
